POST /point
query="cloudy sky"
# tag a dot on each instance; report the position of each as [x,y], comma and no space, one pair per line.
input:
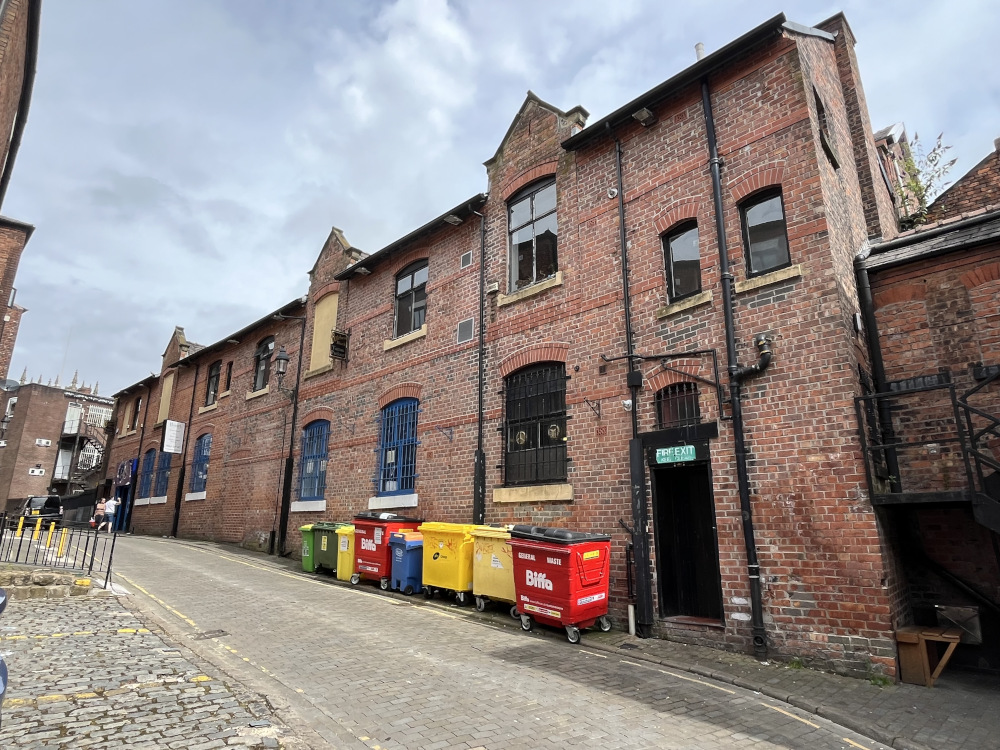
[184,161]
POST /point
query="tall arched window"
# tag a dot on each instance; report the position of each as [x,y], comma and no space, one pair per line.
[680,251]
[397,448]
[262,363]
[411,298]
[312,471]
[764,235]
[199,466]
[531,223]
[162,475]
[146,477]
[536,425]
[212,386]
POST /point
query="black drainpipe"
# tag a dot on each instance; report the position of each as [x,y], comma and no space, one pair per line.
[179,494]
[479,488]
[736,376]
[637,465]
[286,485]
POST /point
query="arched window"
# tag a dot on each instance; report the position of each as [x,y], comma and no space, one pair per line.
[262,363]
[764,235]
[146,477]
[411,298]
[536,425]
[680,252]
[677,405]
[212,387]
[312,470]
[397,448]
[531,223]
[199,466]
[162,475]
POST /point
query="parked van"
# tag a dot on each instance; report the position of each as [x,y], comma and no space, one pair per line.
[49,507]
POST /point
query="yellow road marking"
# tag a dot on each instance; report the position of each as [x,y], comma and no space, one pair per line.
[700,682]
[159,601]
[852,742]
[43,636]
[797,718]
[200,678]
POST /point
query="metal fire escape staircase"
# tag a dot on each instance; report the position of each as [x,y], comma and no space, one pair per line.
[982,428]
[97,437]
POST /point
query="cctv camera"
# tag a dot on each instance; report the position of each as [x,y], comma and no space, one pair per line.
[627,404]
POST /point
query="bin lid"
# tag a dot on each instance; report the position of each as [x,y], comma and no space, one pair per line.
[401,536]
[492,532]
[327,526]
[347,528]
[307,527]
[369,515]
[556,535]
[439,527]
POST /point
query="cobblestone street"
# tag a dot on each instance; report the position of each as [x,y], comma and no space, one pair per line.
[350,667]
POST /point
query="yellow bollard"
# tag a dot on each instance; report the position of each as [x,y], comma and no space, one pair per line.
[38,527]
[20,526]
[62,542]
[48,538]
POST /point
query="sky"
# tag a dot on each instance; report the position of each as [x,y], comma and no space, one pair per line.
[185,160]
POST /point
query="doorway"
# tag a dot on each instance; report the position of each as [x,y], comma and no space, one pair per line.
[687,551]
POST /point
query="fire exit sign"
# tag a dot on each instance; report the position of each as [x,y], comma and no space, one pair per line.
[675,454]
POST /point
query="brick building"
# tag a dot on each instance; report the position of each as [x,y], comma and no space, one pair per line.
[649,327]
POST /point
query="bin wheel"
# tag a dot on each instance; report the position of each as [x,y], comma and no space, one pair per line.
[513,611]
[462,597]
[526,623]
[408,591]
[355,579]
[384,584]
[604,623]
[572,634]
[480,604]
[428,592]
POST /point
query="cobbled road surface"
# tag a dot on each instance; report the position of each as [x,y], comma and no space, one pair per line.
[351,667]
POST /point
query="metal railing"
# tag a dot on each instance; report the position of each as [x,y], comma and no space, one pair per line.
[52,544]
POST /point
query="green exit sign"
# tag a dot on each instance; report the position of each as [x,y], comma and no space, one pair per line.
[675,454]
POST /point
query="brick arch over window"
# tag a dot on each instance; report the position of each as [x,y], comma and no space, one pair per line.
[662,379]
[403,390]
[533,354]
[902,293]
[526,178]
[769,175]
[406,259]
[982,275]
[332,288]
[320,412]
[677,213]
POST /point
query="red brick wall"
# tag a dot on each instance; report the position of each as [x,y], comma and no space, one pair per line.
[8,337]
[12,241]
[13,38]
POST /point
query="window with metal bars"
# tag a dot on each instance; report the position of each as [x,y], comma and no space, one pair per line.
[146,478]
[677,405]
[397,448]
[312,470]
[162,475]
[199,466]
[535,425]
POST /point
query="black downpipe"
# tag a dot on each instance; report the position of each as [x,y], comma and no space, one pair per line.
[286,487]
[479,481]
[637,466]
[184,449]
[878,372]
[736,375]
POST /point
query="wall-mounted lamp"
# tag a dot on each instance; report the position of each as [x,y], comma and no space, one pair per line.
[644,117]
[453,220]
[232,341]
[281,360]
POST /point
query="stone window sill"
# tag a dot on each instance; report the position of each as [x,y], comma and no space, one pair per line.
[210,407]
[535,493]
[381,502]
[224,394]
[257,394]
[308,506]
[195,495]
[530,291]
[792,272]
[406,338]
[697,300]
[700,622]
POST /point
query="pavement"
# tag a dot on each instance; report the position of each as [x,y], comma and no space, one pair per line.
[217,628]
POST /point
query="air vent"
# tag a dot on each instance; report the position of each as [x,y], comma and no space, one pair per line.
[36,472]
[3,443]
[466,259]
[43,443]
[465,330]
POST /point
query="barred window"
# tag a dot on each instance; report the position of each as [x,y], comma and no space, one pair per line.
[536,425]
[162,475]
[199,466]
[677,405]
[397,448]
[146,478]
[312,471]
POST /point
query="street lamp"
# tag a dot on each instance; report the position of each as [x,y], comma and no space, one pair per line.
[281,360]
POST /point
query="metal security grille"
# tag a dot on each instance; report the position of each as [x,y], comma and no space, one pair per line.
[146,478]
[199,467]
[397,451]
[162,475]
[536,425]
[312,473]
[677,405]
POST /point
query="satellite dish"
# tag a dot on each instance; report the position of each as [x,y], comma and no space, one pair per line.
[10,385]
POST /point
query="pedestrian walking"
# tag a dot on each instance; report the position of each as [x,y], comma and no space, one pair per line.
[99,511]
[109,514]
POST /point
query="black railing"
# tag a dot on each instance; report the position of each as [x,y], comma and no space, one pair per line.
[40,542]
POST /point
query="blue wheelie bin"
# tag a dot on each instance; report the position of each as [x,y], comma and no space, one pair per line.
[407,560]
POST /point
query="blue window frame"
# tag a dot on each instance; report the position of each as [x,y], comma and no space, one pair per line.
[397,448]
[146,477]
[199,467]
[312,470]
[162,475]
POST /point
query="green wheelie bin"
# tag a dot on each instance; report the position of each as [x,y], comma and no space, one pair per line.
[308,548]
[325,545]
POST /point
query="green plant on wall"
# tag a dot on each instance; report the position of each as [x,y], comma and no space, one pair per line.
[923,179]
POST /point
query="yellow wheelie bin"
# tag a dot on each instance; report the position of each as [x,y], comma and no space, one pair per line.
[447,559]
[345,552]
[493,567]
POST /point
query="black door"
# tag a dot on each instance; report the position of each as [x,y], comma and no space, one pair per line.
[687,555]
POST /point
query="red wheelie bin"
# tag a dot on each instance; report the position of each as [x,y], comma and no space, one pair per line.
[373,556]
[561,578]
